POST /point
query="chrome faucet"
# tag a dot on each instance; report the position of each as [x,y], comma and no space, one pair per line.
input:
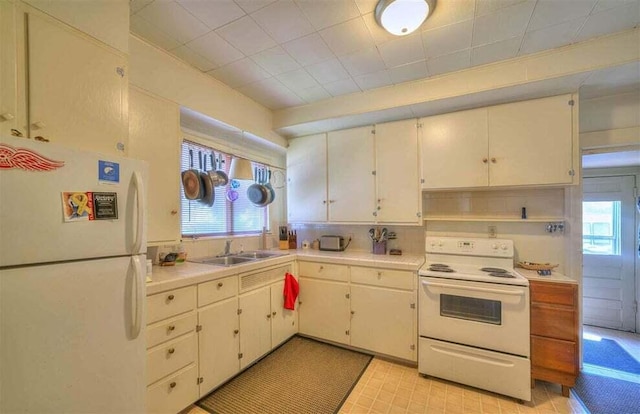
[227,247]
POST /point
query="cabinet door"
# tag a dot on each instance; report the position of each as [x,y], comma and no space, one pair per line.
[398,180]
[384,320]
[454,150]
[531,142]
[307,179]
[324,309]
[8,75]
[77,88]
[284,322]
[218,343]
[154,136]
[255,325]
[351,180]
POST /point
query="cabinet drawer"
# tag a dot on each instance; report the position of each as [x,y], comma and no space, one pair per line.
[169,329]
[216,290]
[549,292]
[263,277]
[554,354]
[167,358]
[553,321]
[399,279]
[324,271]
[174,393]
[167,304]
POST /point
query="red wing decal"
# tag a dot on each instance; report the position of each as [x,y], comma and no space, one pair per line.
[25,159]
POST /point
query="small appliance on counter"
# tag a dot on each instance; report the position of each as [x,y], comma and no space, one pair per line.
[332,243]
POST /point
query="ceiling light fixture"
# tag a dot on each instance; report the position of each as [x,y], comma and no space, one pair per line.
[401,17]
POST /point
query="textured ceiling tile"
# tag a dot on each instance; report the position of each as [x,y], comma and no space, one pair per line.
[378,34]
[489,6]
[275,61]
[347,37]
[550,37]
[193,58]
[449,63]
[245,35]
[151,33]
[313,94]
[373,80]
[448,39]
[174,20]
[361,62]
[403,50]
[309,49]
[297,79]
[342,87]
[250,6]
[449,12]
[216,49]
[328,71]
[213,13]
[610,21]
[239,73]
[283,20]
[503,24]
[271,93]
[552,12]
[327,13]
[410,72]
[493,52]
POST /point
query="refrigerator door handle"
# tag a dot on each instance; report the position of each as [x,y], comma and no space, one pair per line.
[137,298]
[141,208]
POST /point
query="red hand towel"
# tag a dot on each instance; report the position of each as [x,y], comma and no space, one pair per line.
[291,290]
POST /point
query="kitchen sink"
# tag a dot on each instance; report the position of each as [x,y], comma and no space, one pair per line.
[226,260]
[236,259]
[259,255]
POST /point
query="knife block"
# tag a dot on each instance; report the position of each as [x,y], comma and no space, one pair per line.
[380,247]
[284,244]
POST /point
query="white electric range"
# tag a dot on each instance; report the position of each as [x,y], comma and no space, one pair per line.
[474,315]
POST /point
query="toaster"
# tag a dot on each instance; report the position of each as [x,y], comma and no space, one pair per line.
[332,243]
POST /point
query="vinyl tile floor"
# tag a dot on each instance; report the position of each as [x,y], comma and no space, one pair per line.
[388,387]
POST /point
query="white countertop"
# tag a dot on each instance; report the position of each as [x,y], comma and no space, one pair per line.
[188,273]
[553,277]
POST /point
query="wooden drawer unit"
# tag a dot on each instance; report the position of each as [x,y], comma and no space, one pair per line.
[173,393]
[171,356]
[169,329]
[217,290]
[324,271]
[554,333]
[399,279]
[167,304]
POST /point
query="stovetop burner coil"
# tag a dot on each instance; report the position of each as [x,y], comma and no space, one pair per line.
[441,269]
[493,270]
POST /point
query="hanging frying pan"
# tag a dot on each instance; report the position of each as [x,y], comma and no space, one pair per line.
[220,170]
[272,192]
[191,182]
[257,193]
[215,177]
[209,194]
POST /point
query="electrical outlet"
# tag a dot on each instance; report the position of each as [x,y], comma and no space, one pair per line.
[493,232]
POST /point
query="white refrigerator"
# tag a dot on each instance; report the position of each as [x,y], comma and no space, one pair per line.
[72,280]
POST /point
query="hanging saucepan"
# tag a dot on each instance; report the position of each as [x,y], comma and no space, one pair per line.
[272,192]
[263,179]
[209,193]
[220,170]
[191,182]
[257,193]
[216,179]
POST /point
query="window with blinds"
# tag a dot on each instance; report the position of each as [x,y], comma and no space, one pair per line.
[225,217]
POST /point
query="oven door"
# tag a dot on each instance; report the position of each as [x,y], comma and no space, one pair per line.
[484,315]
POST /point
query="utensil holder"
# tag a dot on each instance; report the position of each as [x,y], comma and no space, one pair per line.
[380,247]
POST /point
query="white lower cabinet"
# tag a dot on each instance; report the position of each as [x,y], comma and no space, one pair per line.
[218,343]
[368,308]
[284,322]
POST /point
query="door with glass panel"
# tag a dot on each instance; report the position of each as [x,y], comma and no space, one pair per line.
[609,249]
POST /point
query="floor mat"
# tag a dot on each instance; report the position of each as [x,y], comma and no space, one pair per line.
[605,395]
[607,353]
[302,376]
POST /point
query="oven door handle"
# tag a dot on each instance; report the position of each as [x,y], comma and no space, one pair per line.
[472,357]
[478,289]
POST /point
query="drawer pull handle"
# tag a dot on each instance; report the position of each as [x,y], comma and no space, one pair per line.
[321,267]
[220,284]
[171,328]
[172,385]
[236,331]
[171,351]
[379,274]
[268,316]
[171,297]
[273,313]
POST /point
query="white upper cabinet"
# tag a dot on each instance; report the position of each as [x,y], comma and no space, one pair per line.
[454,150]
[154,136]
[531,142]
[8,75]
[526,143]
[307,179]
[397,173]
[351,179]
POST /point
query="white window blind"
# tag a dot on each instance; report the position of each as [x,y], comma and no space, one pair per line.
[225,217]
